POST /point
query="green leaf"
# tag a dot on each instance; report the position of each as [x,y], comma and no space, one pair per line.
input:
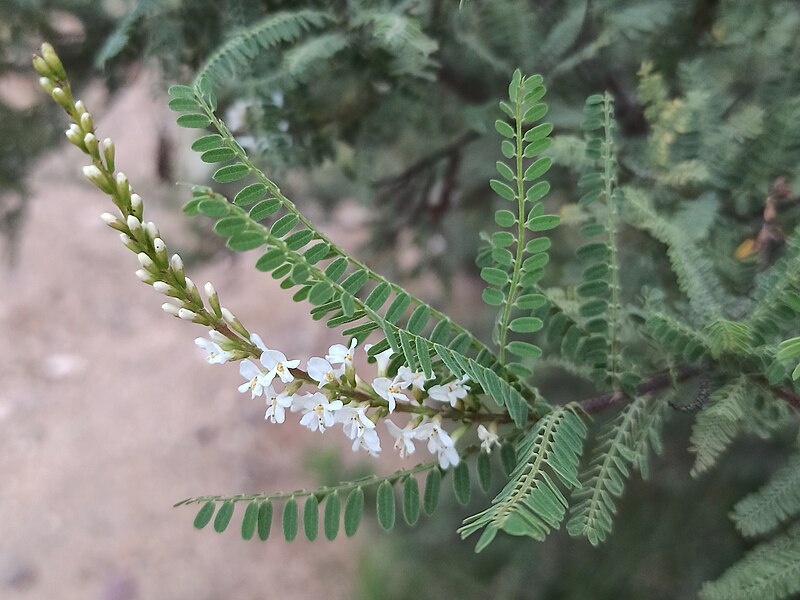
[181,91]
[411,501]
[535,112]
[494,276]
[204,514]
[207,142]
[230,225]
[418,319]
[484,471]
[194,121]
[264,520]
[290,520]
[378,296]
[246,240]
[502,189]
[270,260]
[524,349]
[283,225]
[504,128]
[504,170]
[249,520]
[213,208]
[433,484]
[331,519]
[320,293]
[423,356]
[249,194]
[223,517]
[526,324]
[461,484]
[537,191]
[230,173]
[353,509]
[493,296]
[507,148]
[216,155]
[531,301]
[543,222]
[539,168]
[311,517]
[505,218]
[385,505]
[264,209]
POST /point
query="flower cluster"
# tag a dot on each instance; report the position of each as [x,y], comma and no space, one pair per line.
[339,396]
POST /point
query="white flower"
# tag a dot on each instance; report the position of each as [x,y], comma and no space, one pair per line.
[339,354]
[449,392]
[369,441]
[404,438]
[257,380]
[359,427]
[439,442]
[390,390]
[320,411]
[277,365]
[416,379]
[321,371]
[214,354]
[382,359]
[488,436]
[355,421]
[255,338]
[277,405]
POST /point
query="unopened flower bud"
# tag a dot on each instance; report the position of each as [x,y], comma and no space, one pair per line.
[145,276]
[147,262]
[186,314]
[218,338]
[62,98]
[108,154]
[176,265]
[92,145]
[75,135]
[47,84]
[213,299]
[134,224]
[41,66]
[164,288]
[160,247]
[129,242]
[51,58]
[123,190]
[80,107]
[191,289]
[171,309]
[136,206]
[113,222]
[95,175]
[233,322]
[152,230]
[86,123]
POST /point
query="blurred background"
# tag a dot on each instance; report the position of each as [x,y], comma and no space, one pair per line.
[376,117]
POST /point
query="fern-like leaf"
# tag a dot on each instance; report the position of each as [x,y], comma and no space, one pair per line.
[237,53]
[532,503]
[718,423]
[512,274]
[773,504]
[622,445]
[769,572]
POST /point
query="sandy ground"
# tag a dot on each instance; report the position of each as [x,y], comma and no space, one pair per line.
[108,415]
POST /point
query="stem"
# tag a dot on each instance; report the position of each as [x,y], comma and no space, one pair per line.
[612,209]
